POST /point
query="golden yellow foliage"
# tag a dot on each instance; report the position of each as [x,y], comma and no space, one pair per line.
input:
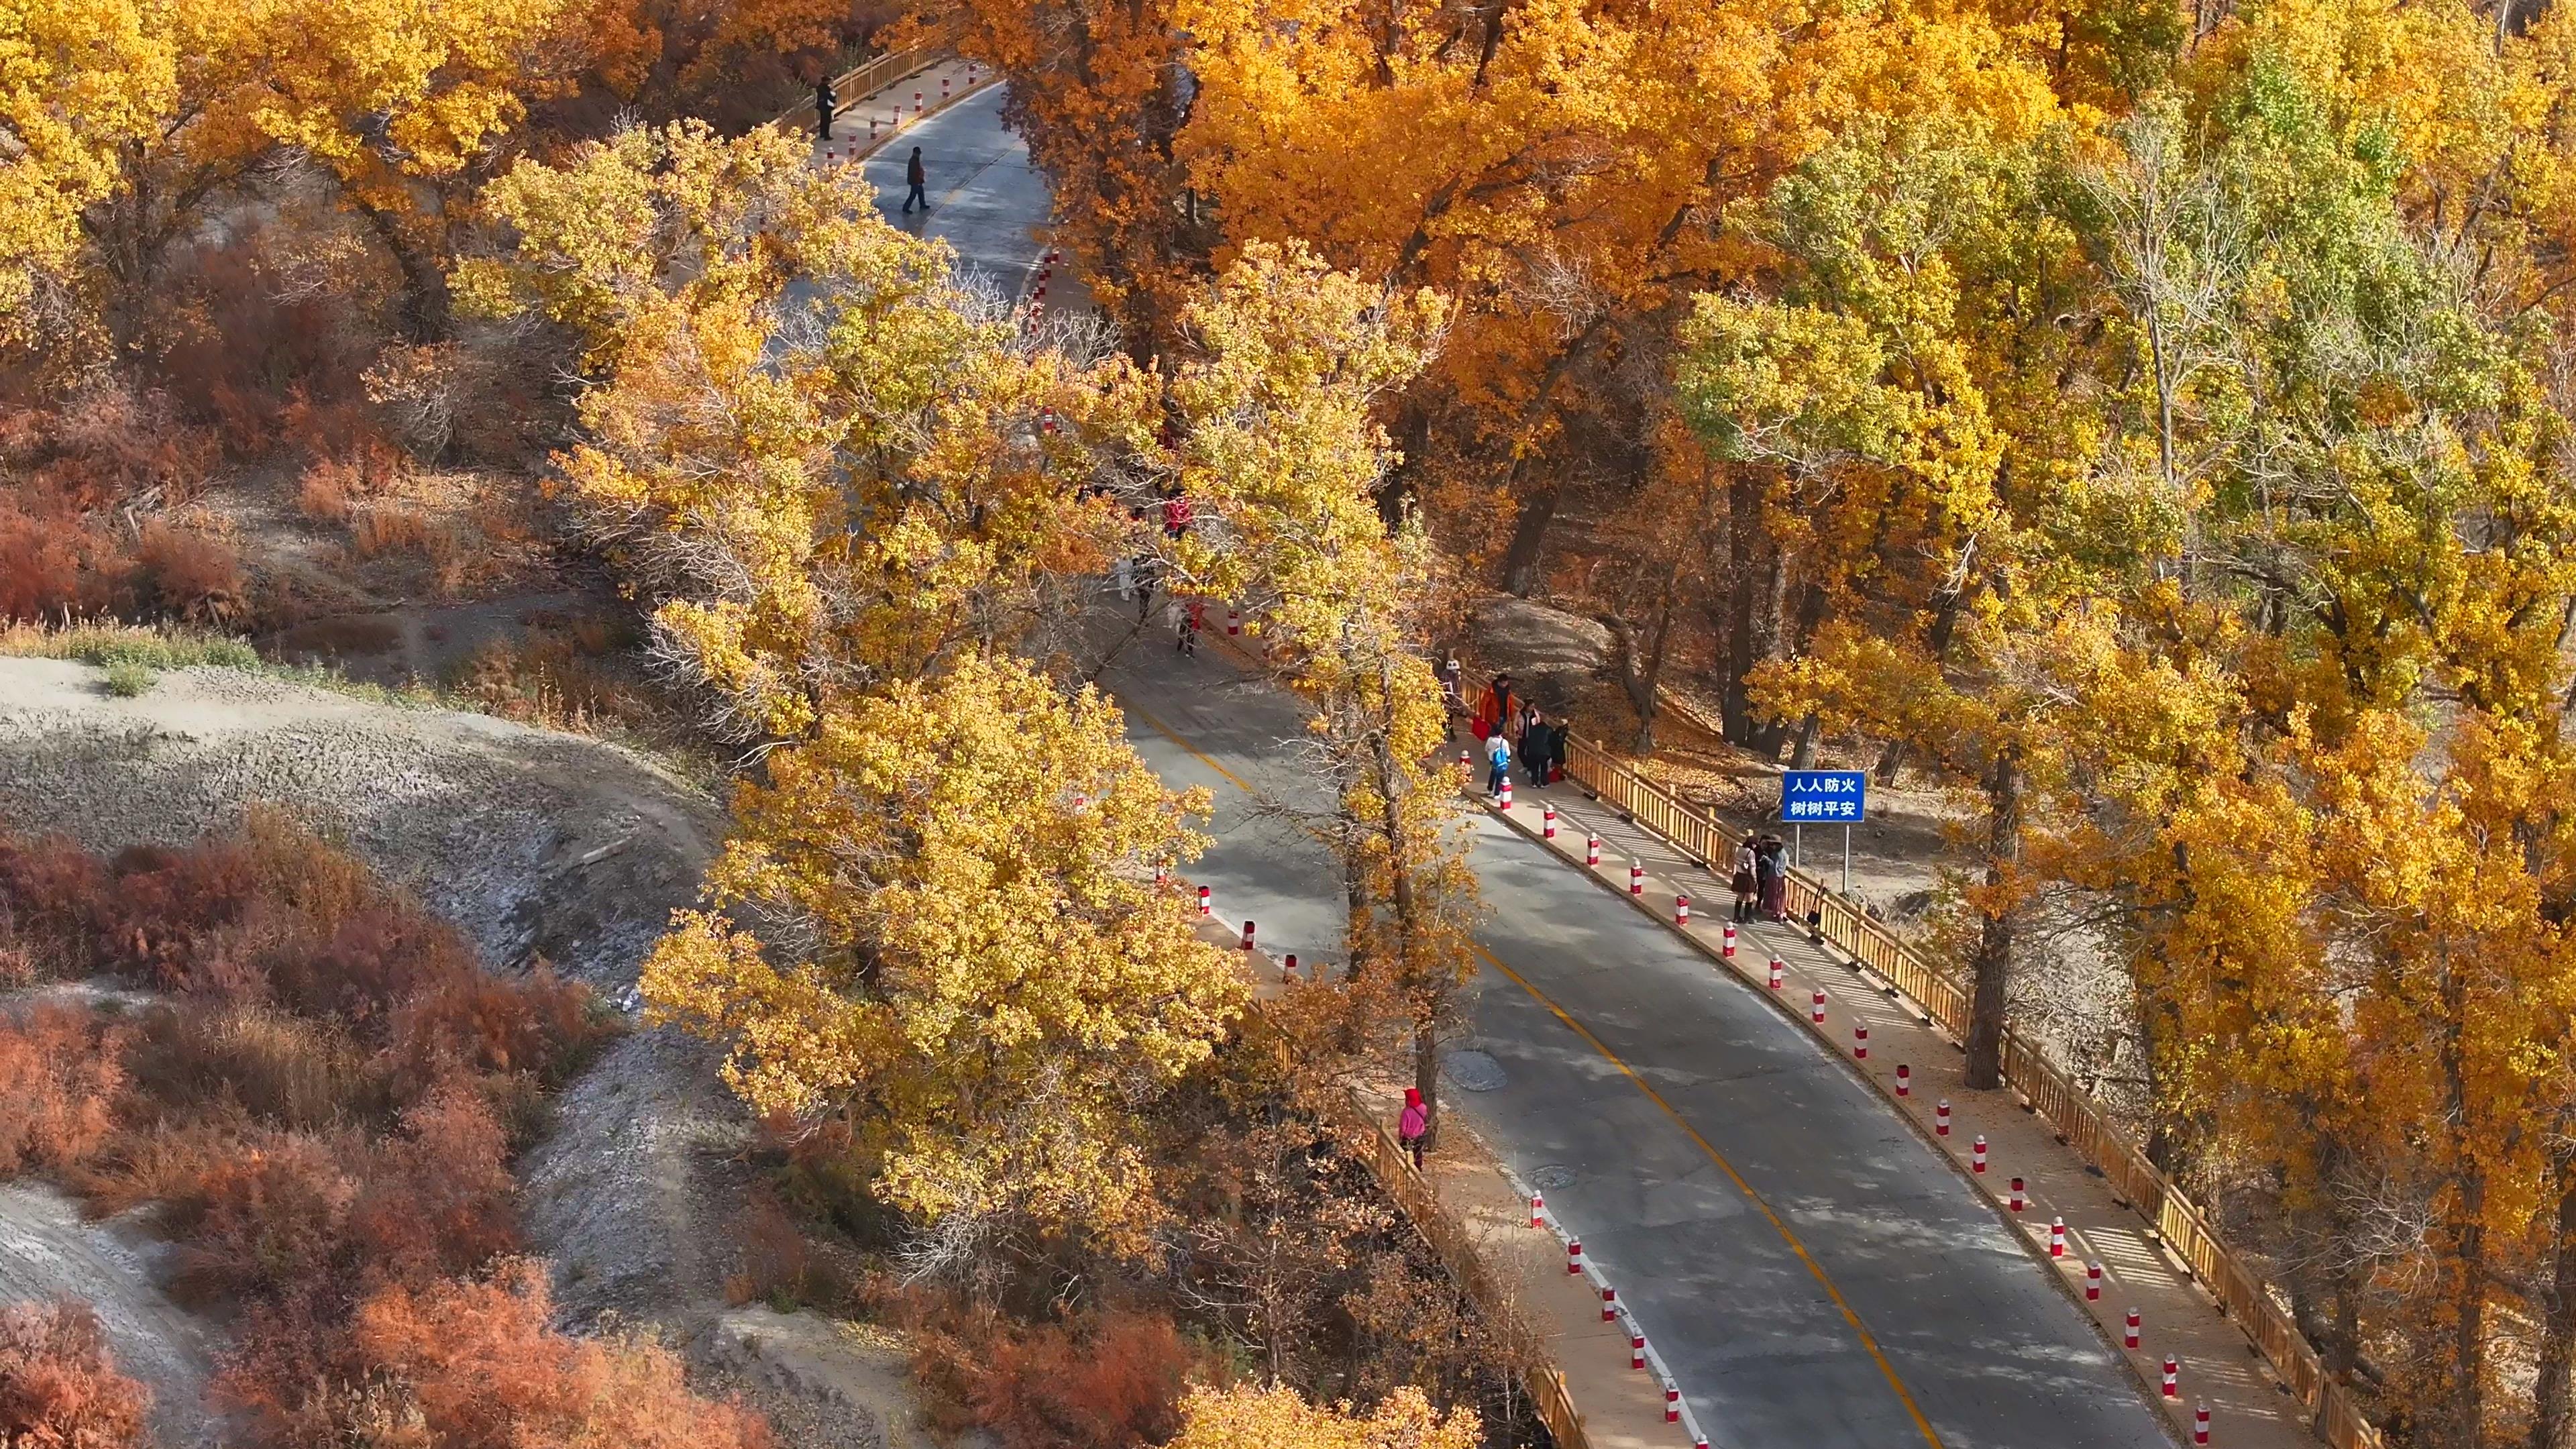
[938,919]
[1277,1418]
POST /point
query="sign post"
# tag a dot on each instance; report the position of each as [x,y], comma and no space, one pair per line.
[1823,797]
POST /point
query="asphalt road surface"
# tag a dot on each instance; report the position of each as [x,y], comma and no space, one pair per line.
[1816,1276]
[986,200]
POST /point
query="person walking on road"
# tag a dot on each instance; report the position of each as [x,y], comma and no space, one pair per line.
[826,106]
[1746,880]
[1413,1125]
[1189,614]
[915,176]
[1453,701]
[1498,754]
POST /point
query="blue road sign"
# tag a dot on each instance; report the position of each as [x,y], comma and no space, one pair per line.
[1823,797]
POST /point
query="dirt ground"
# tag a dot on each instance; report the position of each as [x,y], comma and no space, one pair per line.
[537,845]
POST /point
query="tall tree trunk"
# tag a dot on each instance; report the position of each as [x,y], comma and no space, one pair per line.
[1426,1075]
[1802,755]
[1743,566]
[1992,968]
[428,313]
[1529,541]
[2554,1425]
[2467,1369]
[1767,736]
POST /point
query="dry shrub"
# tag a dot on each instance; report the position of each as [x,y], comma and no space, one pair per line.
[41,572]
[60,1073]
[266,1222]
[189,573]
[1108,1381]
[438,1195]
[51,899]
[543,1026]
[59,1388]
[164,1161]
[284,1071]
[327,488]
[476,1366]
[780,1265]
[380,957]
[382,528]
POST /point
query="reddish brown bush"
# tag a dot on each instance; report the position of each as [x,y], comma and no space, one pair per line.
[266,1222]
[483,1371]
[40,565]
[1105,1383]
[59,1388]
[189,573]
[52,895]
[158,916]
[437,1198]
[60,1074]
[544,1026]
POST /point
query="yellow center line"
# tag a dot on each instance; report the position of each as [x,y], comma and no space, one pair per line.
[1867,1339]
[1778,1225]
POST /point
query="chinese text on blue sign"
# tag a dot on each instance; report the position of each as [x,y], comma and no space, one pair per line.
[1809,797]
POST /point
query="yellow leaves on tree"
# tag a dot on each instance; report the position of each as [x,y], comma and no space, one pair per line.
[938,918]
[1277,1418]
[816,454]
[80,81]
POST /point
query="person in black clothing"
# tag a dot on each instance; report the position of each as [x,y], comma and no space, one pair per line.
[826,105]
[1538,749]
[915,177]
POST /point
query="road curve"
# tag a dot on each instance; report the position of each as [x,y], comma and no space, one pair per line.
[1816,1276]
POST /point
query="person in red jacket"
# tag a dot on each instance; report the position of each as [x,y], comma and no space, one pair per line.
[1413,1125]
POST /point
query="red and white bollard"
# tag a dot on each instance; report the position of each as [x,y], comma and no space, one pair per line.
[943,88]
[916,103]
[2200,1422]
[1233,617]
[1779,973]
[2173,1377]
[2129,1335]
[1816,1008]
[1162,876]
[2016,1195]
[1681,910]
[1205,908]
[1672,1403]
[1637,1351]
[1860,1042]
[1466,767]
[1505,799]
[1574,1255]
[1247,935]
[1288,965]
[872,128]
[1904,1080]
[1941,1119]
[1591,849]
[2057,1238]
[1547,823]
[1636,880]
[1609,1304]
[2092,1282]
[1726,942]
[1538,1209]
[1977,1155]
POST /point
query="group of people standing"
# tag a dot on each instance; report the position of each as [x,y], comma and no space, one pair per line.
[1761,878]
[1511,727]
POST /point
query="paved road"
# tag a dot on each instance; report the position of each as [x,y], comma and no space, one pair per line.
[1816,1276]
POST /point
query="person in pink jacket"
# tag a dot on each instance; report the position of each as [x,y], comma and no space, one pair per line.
[1413,1125]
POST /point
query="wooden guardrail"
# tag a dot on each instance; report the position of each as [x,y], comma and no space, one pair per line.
[2070,1111]
[1420,1203]
[875,73]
